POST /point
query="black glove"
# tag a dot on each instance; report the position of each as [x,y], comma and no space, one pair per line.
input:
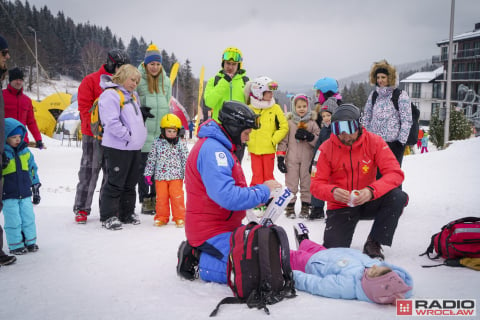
[5,160]
[40,144]
[281,164]
[36,193]
[303,134]
[146,113]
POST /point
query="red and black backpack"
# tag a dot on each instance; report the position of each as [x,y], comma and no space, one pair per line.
[258,270]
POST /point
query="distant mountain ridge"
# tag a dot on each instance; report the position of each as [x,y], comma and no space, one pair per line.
[363,76]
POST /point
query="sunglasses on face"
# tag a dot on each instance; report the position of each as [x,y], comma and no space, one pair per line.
[5,52]
[233,56]
[349,127]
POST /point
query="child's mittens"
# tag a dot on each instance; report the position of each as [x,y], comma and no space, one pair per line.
[36,193]
[281,164]
[303,134]
[148,180]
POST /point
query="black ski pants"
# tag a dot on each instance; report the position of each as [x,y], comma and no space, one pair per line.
[118,195]
[341,223]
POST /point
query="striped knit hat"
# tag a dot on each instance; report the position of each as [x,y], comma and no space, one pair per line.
[152,54]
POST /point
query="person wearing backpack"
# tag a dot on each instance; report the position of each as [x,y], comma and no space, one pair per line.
[217,193]
[383,117]
[155,92]
[124,134]
[227,85]
[92,158]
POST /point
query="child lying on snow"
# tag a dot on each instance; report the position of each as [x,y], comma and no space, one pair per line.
[346,273]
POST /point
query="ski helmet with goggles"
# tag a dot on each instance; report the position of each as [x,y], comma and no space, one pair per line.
[237,117]
[170,121]
[233,54]
[116,58]
[260,85]
[326,84]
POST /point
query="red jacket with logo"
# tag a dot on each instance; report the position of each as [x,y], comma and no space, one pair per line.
[354,168]
[88,91]
[19,107]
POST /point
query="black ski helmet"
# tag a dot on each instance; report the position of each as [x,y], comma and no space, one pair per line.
[116,58]
[237,117]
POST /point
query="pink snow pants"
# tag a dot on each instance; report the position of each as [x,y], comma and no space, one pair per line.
[300,257]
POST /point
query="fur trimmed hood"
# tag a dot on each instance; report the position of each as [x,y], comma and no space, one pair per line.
[392,73]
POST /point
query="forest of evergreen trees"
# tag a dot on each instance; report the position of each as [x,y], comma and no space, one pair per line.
[75,50]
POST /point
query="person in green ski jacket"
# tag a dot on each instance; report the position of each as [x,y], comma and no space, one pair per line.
[227,85]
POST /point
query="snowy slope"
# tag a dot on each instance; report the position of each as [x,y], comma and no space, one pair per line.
[86,272]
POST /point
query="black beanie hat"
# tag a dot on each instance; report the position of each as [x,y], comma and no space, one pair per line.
[3,43]
[14,74]
[346,112]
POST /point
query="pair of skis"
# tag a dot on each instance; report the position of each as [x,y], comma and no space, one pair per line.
[275,207]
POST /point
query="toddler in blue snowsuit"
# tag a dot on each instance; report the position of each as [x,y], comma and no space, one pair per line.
[19,179]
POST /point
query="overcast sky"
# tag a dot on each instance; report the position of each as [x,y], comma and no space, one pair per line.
[293,42]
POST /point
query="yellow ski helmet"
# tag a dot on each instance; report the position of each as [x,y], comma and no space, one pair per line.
[170,121]
[233,54]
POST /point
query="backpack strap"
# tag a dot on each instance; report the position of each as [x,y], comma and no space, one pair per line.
[431,247]
[289,288]
[395,96]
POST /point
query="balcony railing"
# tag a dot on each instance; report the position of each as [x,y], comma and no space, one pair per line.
[461,54]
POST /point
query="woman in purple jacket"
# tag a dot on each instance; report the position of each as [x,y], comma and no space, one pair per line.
[124,134]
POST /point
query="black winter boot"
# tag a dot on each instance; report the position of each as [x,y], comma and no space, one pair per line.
[316,213]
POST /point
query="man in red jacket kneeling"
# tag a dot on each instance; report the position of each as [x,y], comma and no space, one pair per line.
[345,177]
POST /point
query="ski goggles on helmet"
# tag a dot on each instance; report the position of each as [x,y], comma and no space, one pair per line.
[272,86]
[232,56]
[347,126]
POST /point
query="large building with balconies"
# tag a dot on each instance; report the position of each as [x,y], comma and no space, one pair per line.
[428,90]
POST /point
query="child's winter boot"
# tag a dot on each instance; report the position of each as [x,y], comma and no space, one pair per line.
[305,211]
[290,211]
[147,206]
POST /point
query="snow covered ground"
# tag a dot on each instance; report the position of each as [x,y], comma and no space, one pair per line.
[86,272]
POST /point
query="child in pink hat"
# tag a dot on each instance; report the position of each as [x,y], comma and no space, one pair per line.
[346,273]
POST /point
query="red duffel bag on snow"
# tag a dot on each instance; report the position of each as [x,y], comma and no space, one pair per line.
[457,239]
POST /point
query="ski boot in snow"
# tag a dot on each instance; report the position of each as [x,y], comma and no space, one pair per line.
[301,232]
[81,217]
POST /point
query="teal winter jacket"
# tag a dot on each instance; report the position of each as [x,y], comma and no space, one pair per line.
[159,102]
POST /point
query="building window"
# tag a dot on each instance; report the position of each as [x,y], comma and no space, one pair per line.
[435,107]
[416,90]
[437,91]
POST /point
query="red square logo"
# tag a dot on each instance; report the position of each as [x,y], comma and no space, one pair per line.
[404,307]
